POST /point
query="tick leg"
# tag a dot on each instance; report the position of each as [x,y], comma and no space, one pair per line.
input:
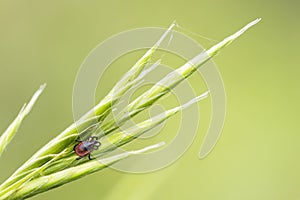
[96,147]
[98,144]
[79,158]
[93,138]
[90,157]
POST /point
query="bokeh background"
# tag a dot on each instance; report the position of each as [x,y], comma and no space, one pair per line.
[257,156]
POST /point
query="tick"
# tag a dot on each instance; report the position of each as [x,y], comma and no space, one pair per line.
[84,148]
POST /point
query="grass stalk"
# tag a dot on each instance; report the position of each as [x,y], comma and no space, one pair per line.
[55,163]
[100,111]
[57,179]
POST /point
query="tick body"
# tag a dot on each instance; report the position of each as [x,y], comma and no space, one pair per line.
[84,148]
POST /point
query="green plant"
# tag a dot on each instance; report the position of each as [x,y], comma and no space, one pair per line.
[55,163]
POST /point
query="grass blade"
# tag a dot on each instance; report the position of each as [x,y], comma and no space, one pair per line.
[10,132]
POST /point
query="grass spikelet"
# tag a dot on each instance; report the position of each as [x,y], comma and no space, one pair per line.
[55,163]
[10,132]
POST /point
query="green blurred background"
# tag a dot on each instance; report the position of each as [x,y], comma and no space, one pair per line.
[257,156]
